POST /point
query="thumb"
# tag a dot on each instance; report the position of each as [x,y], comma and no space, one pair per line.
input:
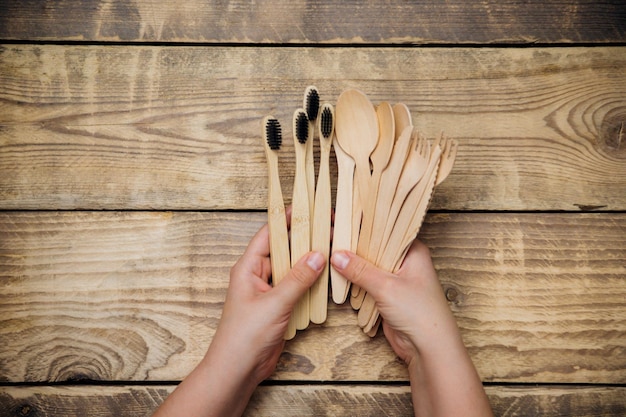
[300,278]
[360,272]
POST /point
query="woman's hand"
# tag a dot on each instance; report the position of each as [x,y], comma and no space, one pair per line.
[256,314]
[411,302]
[422,331]
[249,337]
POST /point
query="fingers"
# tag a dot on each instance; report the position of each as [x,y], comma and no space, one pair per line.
[260,243]
[417,258]
[360,272]
[300,278]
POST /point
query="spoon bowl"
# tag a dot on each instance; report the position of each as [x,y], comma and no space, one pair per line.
[356,130]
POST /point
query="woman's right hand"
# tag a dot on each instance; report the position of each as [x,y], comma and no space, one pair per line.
[421,329]
[412,303]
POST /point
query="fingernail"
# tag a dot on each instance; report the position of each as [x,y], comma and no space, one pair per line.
[340,260]
[316,261]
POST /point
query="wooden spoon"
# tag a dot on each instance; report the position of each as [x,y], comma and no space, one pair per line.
[388,183]
[380,159]
[357,134]
[402,117]
[342,228]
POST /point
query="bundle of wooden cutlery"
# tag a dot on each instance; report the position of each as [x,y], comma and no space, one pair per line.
[387,172]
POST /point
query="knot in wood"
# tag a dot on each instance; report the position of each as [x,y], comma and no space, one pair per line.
[452,294]
[613,133]
[25,410]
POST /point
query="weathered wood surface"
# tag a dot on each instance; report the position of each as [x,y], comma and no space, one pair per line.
[94,127]
[310,400]
[349,22]
[121,296]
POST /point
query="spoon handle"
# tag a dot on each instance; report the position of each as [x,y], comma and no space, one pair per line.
[342,230]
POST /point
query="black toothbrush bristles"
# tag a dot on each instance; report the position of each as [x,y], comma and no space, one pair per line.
[326,122]
[273,134]
[302,127]
[312,103]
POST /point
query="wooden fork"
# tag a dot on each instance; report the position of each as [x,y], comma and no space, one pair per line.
[447,159]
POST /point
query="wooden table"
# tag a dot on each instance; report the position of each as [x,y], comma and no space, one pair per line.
[132,176]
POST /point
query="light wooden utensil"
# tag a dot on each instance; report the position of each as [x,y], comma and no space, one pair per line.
[357,215]
[342,227]
[448,156]
[402,117]
[387,188]
[388,183]
[413,170]
[418,198]
[321,218]
[276,219]
[300,212]
[402,120]
[449,149]
[379,159]
[356,129]
[446,162]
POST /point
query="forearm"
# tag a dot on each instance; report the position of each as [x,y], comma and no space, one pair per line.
[216,387]
[444,381]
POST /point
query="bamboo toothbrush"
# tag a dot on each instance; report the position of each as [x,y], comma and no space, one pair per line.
[311,104]
[276,219]
[321,218]
[300,214]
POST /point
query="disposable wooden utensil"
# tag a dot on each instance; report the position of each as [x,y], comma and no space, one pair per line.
[402,120]
[416,203]
[357,215]
[406,228]
[380,159]
[388,183]
[300,212]
[356,129]
[413,170]
[446,162]
[387,187]
[448,156]
[276,219]
[321,217]
[342,228]
[402,117]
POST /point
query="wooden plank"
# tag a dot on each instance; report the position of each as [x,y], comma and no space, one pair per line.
[457,21]
[178,128]
[121,296]
[312,400]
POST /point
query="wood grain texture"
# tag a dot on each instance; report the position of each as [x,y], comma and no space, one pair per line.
[325,21]
[311,400]
[97,127]
[116,296]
